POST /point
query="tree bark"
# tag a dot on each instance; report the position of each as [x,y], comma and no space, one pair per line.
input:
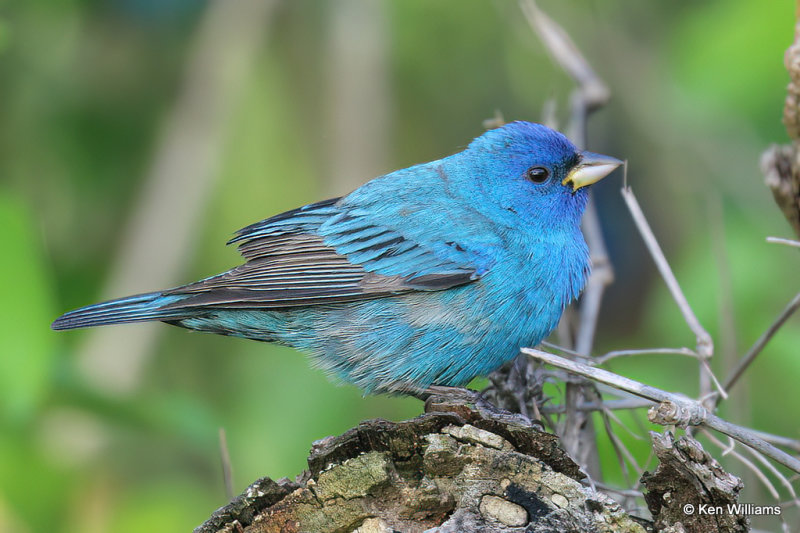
[686,481]
[455,468]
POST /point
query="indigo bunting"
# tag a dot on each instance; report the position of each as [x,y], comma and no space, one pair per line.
[430,275]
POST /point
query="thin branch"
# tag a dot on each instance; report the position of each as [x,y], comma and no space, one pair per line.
[614,405]
[602,276]
[602,359]
[606,377]
[786,442]
[620,423]
[774,471]
[562,349]
[759,345]
[599,361]
[787,242]
[746,462]
[620,450]
[590,94]
[721,392]
[705,346]
[685,411]
[566,54]
[628,493]
[726,320]
[227,470]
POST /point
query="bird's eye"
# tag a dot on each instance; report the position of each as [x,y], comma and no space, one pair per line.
[537,174]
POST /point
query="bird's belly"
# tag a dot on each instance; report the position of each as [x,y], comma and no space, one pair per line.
[417,339]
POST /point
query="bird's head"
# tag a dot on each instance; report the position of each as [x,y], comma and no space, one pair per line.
[532,171]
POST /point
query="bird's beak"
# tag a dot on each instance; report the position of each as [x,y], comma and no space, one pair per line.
[590,169]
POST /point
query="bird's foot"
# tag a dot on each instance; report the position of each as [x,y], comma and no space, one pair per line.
[442,398]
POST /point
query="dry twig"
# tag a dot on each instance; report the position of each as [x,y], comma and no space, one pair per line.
[729,450]
[590,94]
[705,346]
[600,360]
[787,242]
[675,409]
[225,458]
[759,345]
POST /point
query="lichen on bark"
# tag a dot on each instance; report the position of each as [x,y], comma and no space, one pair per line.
[453,469]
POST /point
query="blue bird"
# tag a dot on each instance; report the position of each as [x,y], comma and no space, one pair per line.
[430,275]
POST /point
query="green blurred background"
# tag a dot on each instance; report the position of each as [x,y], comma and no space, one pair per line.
[137,135]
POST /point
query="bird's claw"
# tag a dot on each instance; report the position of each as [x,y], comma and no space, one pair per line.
[441,398]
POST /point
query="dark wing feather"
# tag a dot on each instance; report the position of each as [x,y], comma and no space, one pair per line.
[290,264]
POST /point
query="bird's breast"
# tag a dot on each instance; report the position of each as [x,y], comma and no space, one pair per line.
[529,291]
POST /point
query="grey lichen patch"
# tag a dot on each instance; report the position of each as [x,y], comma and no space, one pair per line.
[567,488]
[425,499]
[503,511]
[337,515]
[559,501]
[354,478]
[441,457]
[614,516]
[469,433]
[373,525]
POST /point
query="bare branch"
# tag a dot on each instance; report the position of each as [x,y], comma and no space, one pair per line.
[495,122]
[567,55]
[227,470]
[628,493]
[705,346]
[562,349]
[675,409]
[606,377]
[710,373]
[762,477]
[600,360]
[726,320]
[774,471]
[602,276]
[786,442]
[614,405]
[590,94]
[620,423]
[746,462]
[620,450]
[787,242]
[759,345]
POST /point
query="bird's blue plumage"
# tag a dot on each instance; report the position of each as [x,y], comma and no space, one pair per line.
[434,274]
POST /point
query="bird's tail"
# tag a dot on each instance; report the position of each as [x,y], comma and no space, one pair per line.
[130,309]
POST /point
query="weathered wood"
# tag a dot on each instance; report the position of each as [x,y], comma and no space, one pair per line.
[687,480]
[455,468]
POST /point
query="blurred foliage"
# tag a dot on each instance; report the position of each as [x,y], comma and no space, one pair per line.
[86,86]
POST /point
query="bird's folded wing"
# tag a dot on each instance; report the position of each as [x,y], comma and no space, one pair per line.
[324,253]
